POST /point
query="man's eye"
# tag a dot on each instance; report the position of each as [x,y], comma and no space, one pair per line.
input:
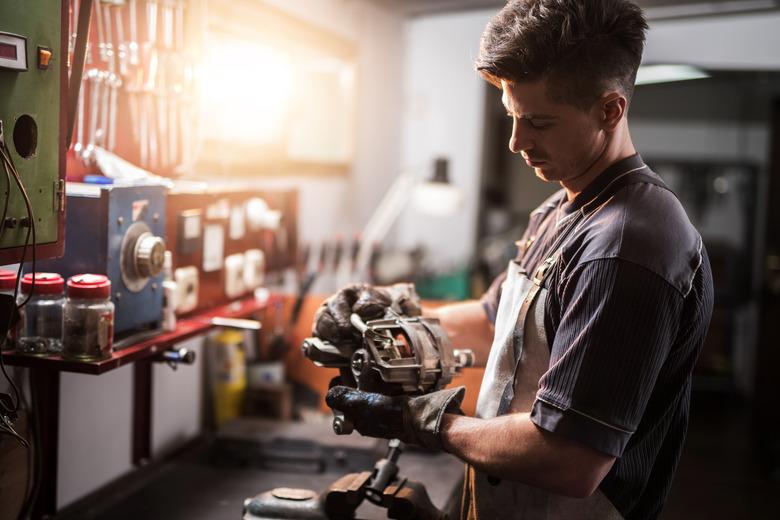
[539,125]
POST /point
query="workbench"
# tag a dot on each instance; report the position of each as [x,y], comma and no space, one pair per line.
[45,378]
[193,486]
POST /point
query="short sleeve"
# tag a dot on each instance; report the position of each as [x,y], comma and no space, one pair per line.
[618,322]
[492,296]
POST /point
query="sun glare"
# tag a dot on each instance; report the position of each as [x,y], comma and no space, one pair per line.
[246,92]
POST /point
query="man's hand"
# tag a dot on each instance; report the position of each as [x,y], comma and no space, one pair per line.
[413,420]
[331,323]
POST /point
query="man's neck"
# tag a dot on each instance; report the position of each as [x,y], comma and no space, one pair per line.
[618,148]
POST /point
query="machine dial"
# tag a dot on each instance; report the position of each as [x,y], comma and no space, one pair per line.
[149,255]
[142,256]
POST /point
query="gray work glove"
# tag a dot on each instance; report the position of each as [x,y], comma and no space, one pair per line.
[413,420]
[331,323]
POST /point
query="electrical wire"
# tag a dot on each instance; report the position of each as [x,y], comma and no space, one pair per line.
[11,316]
[34,456]
[31,227]
[9,165]
[7,198]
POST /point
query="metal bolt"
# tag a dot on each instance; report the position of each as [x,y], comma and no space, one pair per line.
[120,221]
[118,296]
[156,217]
[342,426]
[154,287]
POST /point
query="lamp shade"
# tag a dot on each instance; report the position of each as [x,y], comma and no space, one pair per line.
[437,199]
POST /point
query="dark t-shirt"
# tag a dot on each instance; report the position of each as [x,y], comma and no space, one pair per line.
[628,306]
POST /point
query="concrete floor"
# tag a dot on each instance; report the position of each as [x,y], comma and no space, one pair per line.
[719,477]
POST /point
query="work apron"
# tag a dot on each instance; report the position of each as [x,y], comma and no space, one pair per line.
[519,356]
[485,498]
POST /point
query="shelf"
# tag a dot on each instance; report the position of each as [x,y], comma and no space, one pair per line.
[186,327]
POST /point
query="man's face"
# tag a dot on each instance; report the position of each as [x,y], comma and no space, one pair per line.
[559,141]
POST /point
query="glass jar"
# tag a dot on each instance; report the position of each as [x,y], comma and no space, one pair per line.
[88,318]
[7,281]
[7,288]
[39,331]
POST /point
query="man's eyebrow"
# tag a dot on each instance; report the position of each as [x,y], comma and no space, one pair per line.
[531,115]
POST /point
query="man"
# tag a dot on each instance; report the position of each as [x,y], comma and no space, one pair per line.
[591,335]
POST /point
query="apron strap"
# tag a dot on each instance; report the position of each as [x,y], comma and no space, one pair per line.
[532,299]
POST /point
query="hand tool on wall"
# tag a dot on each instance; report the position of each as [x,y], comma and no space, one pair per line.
[104,7]
[101,136]
[122,44]
[94,81]
[102,52]
[143,127]
[167,24]
[179,25]
[132,45]
[78,146]
[162,122]
[114,85]
[82,17]
[151,23]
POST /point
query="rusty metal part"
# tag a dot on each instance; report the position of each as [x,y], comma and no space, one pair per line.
[411,355]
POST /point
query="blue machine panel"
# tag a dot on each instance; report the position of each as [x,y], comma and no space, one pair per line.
[118,231]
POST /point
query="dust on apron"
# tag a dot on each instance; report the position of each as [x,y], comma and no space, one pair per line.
[519,357]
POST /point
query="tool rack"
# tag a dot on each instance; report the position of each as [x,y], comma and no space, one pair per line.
[45,375]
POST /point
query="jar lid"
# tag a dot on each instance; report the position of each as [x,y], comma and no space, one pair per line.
[7,280]
[89,286]
[45,283]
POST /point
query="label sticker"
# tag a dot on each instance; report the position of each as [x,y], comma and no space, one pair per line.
[139,209]
[213,247]
[105,334]
[237,223]
[191,226]
[220,210]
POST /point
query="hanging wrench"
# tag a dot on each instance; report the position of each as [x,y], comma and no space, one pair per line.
[114,83]
[101,32]
[73,22]
[132,46]
[173,129]
[120,36]
[93,77]
[143,129]
[151,22]
[161,110]
[162,127]
[154,135]
[109,45]
[133,104]
[180,25]
[105,91]
[167,24]
[78,146]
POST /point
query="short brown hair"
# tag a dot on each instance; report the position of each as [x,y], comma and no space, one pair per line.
[581,47]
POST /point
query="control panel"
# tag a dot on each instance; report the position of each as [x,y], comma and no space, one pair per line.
[33,75]
[225,239]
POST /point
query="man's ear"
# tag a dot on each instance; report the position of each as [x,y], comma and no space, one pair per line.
[613,108]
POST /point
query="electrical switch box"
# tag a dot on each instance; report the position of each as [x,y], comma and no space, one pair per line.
[224,238]
[33,77]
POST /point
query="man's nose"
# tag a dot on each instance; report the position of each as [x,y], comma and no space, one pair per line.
[519,140]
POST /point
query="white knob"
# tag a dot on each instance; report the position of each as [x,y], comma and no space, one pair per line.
[149,255]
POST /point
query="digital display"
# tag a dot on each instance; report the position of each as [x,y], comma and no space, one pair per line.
[8,51]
